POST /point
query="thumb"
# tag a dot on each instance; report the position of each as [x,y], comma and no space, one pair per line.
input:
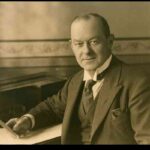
[19,125]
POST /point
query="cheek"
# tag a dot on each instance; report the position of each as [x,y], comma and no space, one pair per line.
[99,51]
[102,53]
[77,55]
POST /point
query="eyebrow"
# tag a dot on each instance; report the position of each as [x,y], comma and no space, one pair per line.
[75,40]
[94,37]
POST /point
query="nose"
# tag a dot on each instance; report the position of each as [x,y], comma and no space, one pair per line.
[86,48]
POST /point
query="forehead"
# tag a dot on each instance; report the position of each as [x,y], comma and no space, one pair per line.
[87,27]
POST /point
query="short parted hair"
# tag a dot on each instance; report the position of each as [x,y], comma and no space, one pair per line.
[101,18]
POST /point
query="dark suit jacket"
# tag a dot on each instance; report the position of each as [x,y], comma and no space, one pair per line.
[122,113]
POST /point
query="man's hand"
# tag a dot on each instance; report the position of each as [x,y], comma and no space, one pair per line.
[20,125]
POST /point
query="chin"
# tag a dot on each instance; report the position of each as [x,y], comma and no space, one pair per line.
[90,67]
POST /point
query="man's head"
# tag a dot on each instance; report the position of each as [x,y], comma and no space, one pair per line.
[91,41]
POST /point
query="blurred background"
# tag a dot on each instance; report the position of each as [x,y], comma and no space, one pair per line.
[51,20]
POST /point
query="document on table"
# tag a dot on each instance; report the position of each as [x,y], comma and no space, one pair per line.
[32,137]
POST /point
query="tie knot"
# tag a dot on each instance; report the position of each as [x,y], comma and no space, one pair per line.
[89,85]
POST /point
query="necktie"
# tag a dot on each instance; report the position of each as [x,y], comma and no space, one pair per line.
[87,96]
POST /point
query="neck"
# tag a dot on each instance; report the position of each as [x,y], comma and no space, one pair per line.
[91,72]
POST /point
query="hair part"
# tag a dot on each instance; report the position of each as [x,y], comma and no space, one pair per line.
[101,19]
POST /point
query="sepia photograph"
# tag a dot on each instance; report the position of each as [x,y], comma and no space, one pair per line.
[74,73]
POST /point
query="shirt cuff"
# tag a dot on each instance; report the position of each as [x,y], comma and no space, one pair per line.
[31,117]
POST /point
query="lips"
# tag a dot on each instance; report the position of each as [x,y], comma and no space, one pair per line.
[89,58]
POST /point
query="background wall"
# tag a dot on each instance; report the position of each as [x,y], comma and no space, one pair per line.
[50,20]
[34,35]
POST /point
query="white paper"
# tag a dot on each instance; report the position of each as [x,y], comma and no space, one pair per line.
[31,138]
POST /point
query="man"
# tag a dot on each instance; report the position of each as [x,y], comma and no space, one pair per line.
[118,112]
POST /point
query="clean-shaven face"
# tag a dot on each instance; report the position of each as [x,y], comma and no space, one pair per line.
[89,43]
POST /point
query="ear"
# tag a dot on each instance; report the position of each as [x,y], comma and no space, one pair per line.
[70,42]
[111,40]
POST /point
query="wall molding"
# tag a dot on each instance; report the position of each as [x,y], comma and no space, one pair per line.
[58,53]
[61,47]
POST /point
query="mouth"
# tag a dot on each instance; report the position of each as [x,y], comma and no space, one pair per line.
[88,59]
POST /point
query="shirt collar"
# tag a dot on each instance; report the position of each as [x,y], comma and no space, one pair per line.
[98,70]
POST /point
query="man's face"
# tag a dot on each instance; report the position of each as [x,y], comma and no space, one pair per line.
[89,43]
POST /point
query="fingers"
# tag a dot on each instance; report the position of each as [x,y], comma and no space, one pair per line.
[22,125]
[11,122]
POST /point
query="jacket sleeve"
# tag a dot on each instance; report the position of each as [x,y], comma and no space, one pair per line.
[139,104]
[51,110]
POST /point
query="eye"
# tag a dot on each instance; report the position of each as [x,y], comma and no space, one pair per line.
[79,44]
[95,42]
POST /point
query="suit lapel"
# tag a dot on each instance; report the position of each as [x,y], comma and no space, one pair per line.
[107,93]
[73,93]
[71,101]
